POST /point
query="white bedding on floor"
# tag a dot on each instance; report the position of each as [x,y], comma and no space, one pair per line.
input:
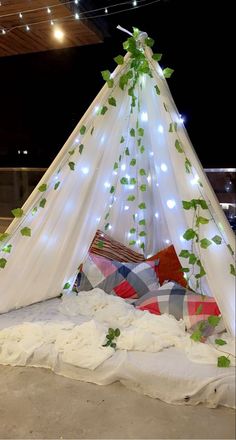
[67,336]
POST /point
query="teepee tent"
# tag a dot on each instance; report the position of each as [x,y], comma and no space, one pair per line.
[129,169]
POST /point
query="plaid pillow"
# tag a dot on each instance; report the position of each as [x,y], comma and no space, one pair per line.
[183,304]
[113,250]
[127,280]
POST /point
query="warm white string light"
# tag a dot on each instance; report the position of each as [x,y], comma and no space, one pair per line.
[20,15]
[140,4]
[106,11]
[76,16]
[27,28]
[49,11]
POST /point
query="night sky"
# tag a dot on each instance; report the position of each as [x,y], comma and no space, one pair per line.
[43,96]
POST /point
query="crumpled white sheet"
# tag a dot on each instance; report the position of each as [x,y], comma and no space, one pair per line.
[81,344]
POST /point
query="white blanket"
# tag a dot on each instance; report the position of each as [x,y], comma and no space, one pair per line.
[81,344]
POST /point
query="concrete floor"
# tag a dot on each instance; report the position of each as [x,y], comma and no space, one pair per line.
[36,403]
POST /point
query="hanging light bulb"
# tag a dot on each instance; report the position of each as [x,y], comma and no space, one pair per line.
[106,10]
[49,10]
[27,28]
[76,16]
[3,32]
[76,2]
[20,15]
[52,23]
[134,2]
[58,34]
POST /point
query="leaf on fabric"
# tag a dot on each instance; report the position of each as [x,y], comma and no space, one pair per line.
[110,83]
[130,198]
[127,152]
[124,181]
[42,203]
[142,205]
[142,234]
[3,236]
[81,147]
[220,342]
[7,248]
[232,270]
[178,146]
[158,92]
[18,212]
[143,187]
[192,258]
[119,59]
[100,244]
[71,152]
[202,203]
[167,72]
[132,132]
[122,139]
[196,335]
[42,187]
[34,210]
[187,205]
[3,263]
[82,129]
[184,253]
[202,221]
[142,172]
[116,166]
[112,190]
[140,131]
[133,162]
[107,226]
[165,106]
[205,243]
[26,232]
[157,56]
[223,362]
[189,234]
[132,242]
[188,165]
[66,286]
[228,246]
[142,222]
[171,127]
[71,165]
[133,181]
[103,110]
[56,185]
[217,239]
[142,149]
[92,130]
[112,101]
[132,231]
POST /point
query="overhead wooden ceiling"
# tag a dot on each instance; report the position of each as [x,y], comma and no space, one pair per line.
[40,37]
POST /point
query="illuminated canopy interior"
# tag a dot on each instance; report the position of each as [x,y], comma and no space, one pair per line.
[129,169]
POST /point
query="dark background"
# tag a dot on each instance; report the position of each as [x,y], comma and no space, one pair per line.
[43,96]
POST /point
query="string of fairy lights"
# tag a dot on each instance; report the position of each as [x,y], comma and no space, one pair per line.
[76,15]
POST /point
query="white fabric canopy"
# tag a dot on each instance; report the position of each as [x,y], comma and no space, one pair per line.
[39,266]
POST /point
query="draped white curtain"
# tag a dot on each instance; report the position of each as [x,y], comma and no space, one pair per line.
[39,266]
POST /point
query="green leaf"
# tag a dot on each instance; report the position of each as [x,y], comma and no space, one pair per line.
[127,152]
[220,342]
[107,226]
[142,205]
[119,59]
[232,270]
[167,72]
[106,74]
[112,101]
[178,146]
[113,345]
[189,234]
[165,106]
[123,81]
[81,147]
[117,332]
[157,90]
[139,141]
[205,243]
[7,248]
[142,172]
[143,187]
[149,41]
[175,126]
[171,128]
[142,222]
[185,269]
[202,270]
[83,129]
[18,212]
[142,246]
[107,215]
[100,244]
[142,234]
[184,253]
[112,190]
[217,239]
[192,259]
[201,221]
[122,139]
[140,131]
[132,230]
[136,32]
[199,309]
[228,246]
[213,320]
[187,205]
[34,210]
[130,198]
[71,152]
[3,236]
[188,165]
[132,242]
[66,286]
[142,149]
[124,181]
[133,181]
[42,203]
[56,185]
[103,110]
[92,130]
[3,263]
[157,56]
[132,132]
[26,232]
[110,83]
[196,335]
[202,203]
[129,74]
[71,165]
[115,166]
[42,187]
[133,162]
[223,362]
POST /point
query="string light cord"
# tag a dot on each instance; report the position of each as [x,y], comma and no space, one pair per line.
[27,11]
[82,16]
